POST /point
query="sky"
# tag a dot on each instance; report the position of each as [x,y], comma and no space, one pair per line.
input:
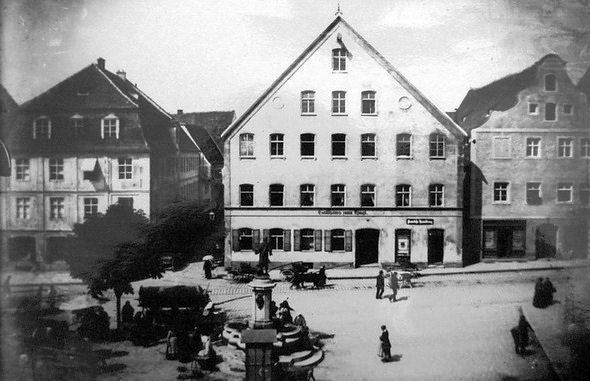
[204,55]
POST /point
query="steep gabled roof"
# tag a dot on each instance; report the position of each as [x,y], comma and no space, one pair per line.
[500,95]
[7,103]
[440,116]
[584,84]
[214,122]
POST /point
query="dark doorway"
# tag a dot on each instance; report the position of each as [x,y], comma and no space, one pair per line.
[21,248]
[367,246]
[403,243]
[546,240]
[436,243]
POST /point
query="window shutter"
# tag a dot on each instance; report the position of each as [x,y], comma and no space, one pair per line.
[235,240]
[328,240]
[117,128]
[266,234]
[348,240]
[102,128]
[318,239]
[297,240]
[286,240]
[255,239]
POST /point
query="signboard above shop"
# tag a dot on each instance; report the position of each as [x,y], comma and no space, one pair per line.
[419,221]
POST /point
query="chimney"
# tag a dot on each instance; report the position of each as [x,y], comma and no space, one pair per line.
[100,62]
[122,74]
[179,111]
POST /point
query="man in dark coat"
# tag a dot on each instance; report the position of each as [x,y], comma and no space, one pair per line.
[385,344]
[548,291]
[380,285]
[538,296]
[127,313]
[207,266]
[264,251]
[520,333]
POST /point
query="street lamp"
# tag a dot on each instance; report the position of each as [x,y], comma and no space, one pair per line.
[211,216]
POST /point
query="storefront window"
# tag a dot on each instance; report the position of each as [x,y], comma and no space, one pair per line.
[490,239]
[518,240]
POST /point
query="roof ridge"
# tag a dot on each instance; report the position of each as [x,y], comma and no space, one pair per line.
[102,71]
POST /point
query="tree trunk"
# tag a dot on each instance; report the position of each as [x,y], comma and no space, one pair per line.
[118,295]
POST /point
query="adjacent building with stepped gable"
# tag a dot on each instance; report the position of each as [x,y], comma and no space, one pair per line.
[342,161]
[530,155]
[93,140]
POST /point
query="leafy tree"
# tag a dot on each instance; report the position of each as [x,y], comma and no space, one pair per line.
[107,252]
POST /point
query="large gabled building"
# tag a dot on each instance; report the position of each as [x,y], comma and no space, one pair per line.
[342,161]
[92,140]
[530,152]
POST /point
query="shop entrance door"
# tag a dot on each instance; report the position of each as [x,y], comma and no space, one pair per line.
[367,247]
[403,240]
[436,241]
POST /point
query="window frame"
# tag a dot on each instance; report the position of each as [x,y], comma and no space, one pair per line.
[400,193]
[76,124]
[373,143]
[243,192]
[555,117]
[339,58]
[585,148]
[125,168]
[571,109]
[307,142]
[498,138]
[90,206]
[23,208]
[56,169]
[398,142]
[339,143]
[103,127]
[246,146]
[277,141]
[507,191]
[334,237]
[560,187]
[538,147]
[22,169]
[527,188]
[571,147]
[536,112]
[550,75]
[368,100]
[436,194]
[46,129]
[368,189]
[339,102]
[56,208]
[303,192]
[307,100]
[335,190]
[303,237]
[437,135]
[276,239]
[272,192]
[584,193]
[243,233]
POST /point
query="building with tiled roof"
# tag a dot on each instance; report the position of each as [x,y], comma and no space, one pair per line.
[92,140]
[7,108]
[530,155]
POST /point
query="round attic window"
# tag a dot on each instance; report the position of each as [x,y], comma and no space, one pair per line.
[405,103]
[277,103]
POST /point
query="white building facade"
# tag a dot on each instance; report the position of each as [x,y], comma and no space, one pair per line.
[343,162]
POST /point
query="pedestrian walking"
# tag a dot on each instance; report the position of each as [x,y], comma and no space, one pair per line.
[394,285]
[548,291]
[520,333]
[207,266]
[385,344]
[380,285]
[538,295]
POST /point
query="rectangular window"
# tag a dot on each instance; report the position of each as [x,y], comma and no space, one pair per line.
[568,109]
[22,169]
[23,208]
[501,147]
[338,194]
[338,102]
[403,195]
[276,145]
[550,82]
[77,125]
[565,192]
[533,147]
[247,145]
[246,195]
[338,145]
[489,239]
[585,193]
[339,60]
[403,147]
[307,195]
[550,112]
[125,169]
[337,238]
[277,237]
[368,101]
[437,146]
[308,102]
[56,169]
[276,194]
[533,194]
[307,240]
[368,149]
[565,147]
[56,208]
[308,145]
[585,148]
[126,202]
[90,207]
[368,195]
[501,192]
[245,239]
[533,108]
[110,128]
[436,195]
[42,128]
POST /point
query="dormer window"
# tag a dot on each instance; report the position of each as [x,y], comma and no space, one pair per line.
[339,59]
[77,124]
[42,128]
[109,127]
[550,82]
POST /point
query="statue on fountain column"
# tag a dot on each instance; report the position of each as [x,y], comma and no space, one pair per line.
[264,252]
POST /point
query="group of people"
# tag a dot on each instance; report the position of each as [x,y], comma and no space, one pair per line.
[393,283]
[544,291]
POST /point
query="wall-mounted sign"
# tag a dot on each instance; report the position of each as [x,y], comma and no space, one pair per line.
[420,221]
[343,212]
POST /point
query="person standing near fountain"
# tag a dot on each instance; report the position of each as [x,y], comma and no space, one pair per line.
[264,252]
